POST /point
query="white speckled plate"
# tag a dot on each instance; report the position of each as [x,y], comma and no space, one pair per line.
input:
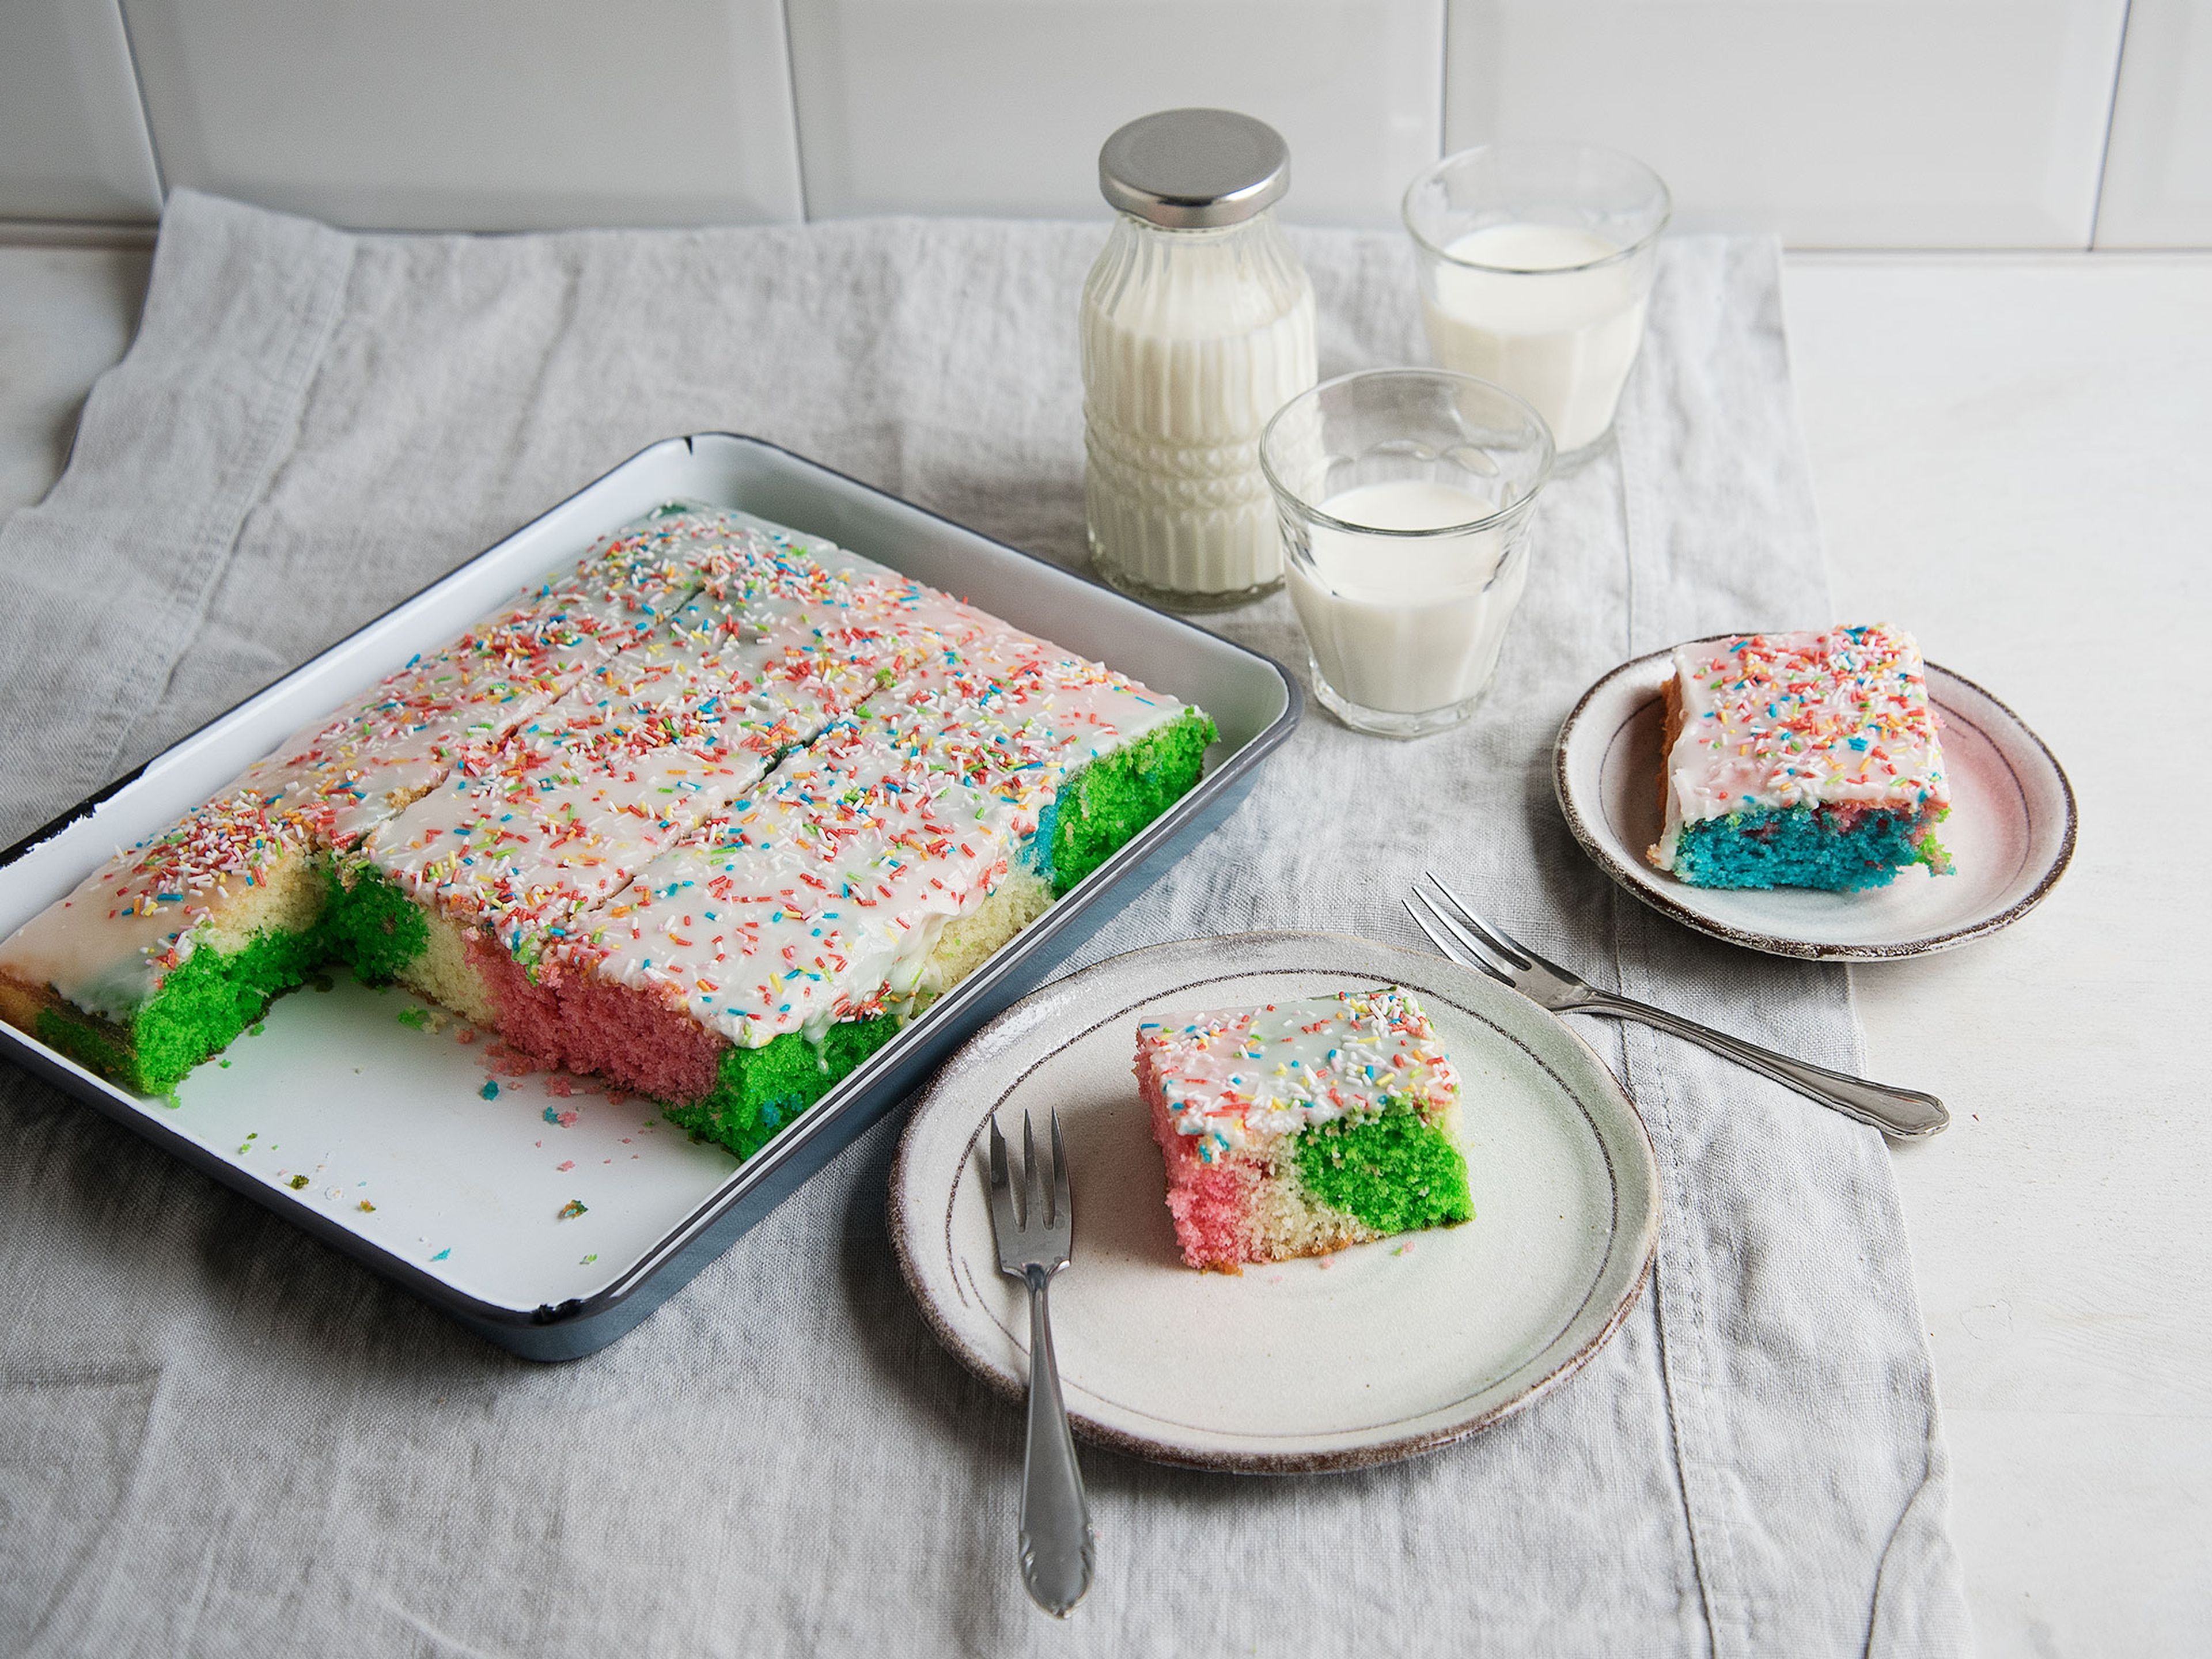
[1376,1354]
[2010,832]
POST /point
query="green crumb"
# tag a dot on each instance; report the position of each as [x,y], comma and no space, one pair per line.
[299,1183]
[1109,800]
[761,1089]
[1393,1173]
[490,1091]
[224,1064]
[571,1210]
[415,1017]
[588,1259]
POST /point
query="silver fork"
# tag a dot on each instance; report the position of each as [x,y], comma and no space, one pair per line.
[1058,1548]
[1906,1114]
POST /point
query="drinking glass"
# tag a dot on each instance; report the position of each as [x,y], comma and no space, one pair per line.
[1406,497]
[1536,265]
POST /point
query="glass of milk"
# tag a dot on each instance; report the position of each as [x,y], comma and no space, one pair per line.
[1406,497]
[1535,264]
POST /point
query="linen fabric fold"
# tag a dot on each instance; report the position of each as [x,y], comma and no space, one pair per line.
[217,1436]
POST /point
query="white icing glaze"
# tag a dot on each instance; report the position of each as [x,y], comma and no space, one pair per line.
[533,832]
[1240,1075]
[820,897]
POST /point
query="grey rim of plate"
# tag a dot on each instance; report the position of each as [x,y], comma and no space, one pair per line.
[2010,832]
[1376,1354]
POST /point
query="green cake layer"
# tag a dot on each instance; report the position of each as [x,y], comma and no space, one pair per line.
[1394,1173]
[761,1089]
[1109,800]
[372,926]
[200,1008]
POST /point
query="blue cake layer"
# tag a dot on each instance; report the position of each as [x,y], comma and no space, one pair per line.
[1804,846]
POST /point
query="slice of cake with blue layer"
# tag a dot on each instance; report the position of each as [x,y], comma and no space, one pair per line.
[1800,760]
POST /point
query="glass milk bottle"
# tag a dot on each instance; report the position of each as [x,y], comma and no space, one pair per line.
[1198,324]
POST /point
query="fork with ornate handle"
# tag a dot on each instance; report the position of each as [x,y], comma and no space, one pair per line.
[1905,1114]
[1058,1548]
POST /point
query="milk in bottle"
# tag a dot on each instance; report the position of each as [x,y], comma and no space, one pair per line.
[1197,325]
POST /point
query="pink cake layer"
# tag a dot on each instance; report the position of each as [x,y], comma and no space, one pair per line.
[587,1024]
[1212,1203]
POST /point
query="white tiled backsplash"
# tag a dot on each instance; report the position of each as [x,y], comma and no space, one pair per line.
[1837,123]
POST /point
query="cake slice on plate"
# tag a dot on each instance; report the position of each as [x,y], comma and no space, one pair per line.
[1296,1129]
[1800,760]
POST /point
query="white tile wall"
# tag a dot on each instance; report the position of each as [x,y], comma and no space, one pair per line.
[998,106]
[479,114]
[73,144]
[1837,123]
[2158,170]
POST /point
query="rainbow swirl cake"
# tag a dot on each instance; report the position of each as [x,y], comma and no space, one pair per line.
[709,816]
[1800,760]
[1296,1128]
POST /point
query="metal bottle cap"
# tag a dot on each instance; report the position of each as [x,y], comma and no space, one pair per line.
[1189,168]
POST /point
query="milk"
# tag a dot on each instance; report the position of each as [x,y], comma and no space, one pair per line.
[1565,341]
[1407,625]
[1191,341]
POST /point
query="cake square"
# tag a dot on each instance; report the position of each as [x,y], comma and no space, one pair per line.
[1800,760]
[1296,1129]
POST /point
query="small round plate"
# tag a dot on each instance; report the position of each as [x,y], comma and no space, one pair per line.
[1374,1353]
[2010,833]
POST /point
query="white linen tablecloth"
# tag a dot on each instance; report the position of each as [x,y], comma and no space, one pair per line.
[216,1436]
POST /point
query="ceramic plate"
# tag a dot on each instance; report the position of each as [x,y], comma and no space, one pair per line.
[1374,1353]
[2010,832]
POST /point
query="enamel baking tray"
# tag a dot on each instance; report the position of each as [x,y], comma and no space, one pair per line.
[546,1215]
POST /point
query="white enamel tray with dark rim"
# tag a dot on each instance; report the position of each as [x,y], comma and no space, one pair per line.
[541,1212]
[1374,1353]
[2010,832]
